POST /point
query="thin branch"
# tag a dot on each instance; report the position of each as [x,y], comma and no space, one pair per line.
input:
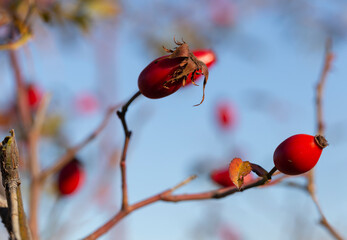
[34,164]
[22,102]
[328,58]
[167,196]
[121,114]
[71,152]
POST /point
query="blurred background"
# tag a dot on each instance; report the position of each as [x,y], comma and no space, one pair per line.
[88,55]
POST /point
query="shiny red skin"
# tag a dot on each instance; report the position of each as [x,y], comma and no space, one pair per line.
[297,154]
[70,178]
[225,115]
[221,177]
[152,79]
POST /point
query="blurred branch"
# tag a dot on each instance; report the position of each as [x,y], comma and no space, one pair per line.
[71,152]
[328,58]
[15,222]
[34,164]
[22,103]
[127,133]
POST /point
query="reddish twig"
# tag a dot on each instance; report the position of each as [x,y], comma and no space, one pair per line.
[328,58]
[167,196]
[71,152]
[121,114]
[22,102]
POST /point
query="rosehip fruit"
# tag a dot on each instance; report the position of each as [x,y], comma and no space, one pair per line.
[70,177]
[222,177]
[166,74]
[299,153]
[34,95]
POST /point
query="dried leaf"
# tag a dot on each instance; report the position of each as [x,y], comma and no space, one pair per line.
[238,169]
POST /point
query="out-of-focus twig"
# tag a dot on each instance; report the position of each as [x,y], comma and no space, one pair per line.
[71,152]
[34,164]
[328,59]
[22,95]
[16,224]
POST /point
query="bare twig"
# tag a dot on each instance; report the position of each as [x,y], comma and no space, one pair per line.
[9,160]
[167,196]
[121,114]
[328,58]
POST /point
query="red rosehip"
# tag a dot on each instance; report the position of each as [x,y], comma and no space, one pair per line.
[299,153]
[222,178]
[70,177]
[225,115]
[153,78]
[166,74]
[34,95]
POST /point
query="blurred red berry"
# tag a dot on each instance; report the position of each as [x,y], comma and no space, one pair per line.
[71,177]
[34,95]
[222,13]
[86,103]
[221,177]
[225,115]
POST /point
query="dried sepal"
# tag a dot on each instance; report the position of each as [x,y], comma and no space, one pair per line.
[189,65]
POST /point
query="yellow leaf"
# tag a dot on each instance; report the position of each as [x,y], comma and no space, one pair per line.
[238,169]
